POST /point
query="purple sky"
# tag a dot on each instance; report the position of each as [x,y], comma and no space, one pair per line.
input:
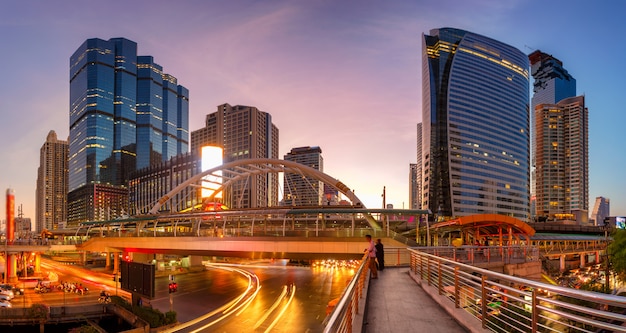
[342,75]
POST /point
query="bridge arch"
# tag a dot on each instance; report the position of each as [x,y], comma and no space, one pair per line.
[241,169]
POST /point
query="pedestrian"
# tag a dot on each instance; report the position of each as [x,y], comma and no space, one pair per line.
[380,255]
[371,256]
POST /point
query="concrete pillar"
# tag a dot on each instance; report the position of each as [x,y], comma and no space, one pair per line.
[116,262]
[83,257]
[582,259]
[108,261]
[597,257]
[37,263]
[12,268]
[562,263]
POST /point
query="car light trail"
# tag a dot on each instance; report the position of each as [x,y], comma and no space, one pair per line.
[282,311]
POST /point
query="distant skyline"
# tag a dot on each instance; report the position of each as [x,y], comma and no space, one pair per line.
[341,75]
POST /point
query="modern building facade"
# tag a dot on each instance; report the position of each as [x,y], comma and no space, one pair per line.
[415,175]
[244,132]
[148,185]
[414,197]
[601,210]
[475,126]
[562,161]
[301,190]
[552,83]
[125,114]
[52,184]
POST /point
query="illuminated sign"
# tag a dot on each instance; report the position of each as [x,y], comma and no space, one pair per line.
[620,222]
[211,157]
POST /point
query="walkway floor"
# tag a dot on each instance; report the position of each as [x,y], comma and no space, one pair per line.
[396,303]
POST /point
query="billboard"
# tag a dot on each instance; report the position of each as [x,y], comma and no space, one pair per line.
[137,278]
[620,222]
[211,157]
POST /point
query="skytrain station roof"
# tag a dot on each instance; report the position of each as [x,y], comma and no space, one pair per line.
[488,225]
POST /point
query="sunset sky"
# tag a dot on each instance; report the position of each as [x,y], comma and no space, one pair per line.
[340,74]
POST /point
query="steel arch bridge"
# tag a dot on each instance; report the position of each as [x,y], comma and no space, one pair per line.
[232,172]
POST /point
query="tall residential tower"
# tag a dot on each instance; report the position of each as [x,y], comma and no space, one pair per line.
[52,182]
[475,126]
[244,132]
[560,148]
[125,114]
[300,190]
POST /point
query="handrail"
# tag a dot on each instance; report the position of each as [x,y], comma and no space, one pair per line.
[342,317]
[514,303]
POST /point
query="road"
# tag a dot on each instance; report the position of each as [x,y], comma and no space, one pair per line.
[271,296]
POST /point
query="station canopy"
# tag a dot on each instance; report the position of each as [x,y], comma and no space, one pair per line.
[492,226]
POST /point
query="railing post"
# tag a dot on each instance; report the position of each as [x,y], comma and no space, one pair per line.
[428,270]
[535,314]
[483,300]
[457,293]
[439,278]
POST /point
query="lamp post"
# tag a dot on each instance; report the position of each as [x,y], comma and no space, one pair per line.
[607,287]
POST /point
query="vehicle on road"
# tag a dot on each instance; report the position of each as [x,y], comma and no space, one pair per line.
[5,304]
[8,293]
[14,289]
[5,297]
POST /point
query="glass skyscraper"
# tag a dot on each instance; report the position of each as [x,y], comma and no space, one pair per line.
[125,114]
[475,126]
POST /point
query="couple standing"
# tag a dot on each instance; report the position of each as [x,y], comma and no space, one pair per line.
[376,256]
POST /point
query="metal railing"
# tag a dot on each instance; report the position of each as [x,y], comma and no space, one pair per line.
[504,303]
[341,319]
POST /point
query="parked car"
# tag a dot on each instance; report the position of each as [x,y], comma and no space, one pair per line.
[15,290]
[5,297]
[9,293]
[5,304]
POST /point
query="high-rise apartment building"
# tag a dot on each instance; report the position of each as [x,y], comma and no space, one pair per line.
[559,143]
[244,132]
[475,126]
[125,114]
[552,83]
[562,158]
[52,182]
[301,190]
[415,175]
[414,187]
[601,210]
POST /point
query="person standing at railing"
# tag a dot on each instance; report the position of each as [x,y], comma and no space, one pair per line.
[371,256]
[380,254]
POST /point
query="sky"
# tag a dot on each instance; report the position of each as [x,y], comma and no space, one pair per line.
[341,75]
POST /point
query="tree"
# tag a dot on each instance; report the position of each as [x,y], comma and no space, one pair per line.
[617,253]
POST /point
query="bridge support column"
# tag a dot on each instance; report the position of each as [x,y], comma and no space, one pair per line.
[597,261]
[107,265]
[83,258]
[583,259]
[562,263]
[37,263]
[192,262]
[116,262]
[12,268]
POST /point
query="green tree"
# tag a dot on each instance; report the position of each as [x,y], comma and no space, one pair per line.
[617,253]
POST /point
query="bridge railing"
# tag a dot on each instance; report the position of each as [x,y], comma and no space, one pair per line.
[342,318]
[504,303]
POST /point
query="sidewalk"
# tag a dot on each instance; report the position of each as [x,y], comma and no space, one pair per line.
[396,303]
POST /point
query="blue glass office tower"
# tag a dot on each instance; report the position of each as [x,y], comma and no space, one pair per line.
[125,114]
[475,129]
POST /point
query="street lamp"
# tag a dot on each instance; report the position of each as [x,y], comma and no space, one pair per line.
[607,225]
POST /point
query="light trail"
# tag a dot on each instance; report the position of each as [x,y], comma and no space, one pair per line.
[271,308]
[282,311]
